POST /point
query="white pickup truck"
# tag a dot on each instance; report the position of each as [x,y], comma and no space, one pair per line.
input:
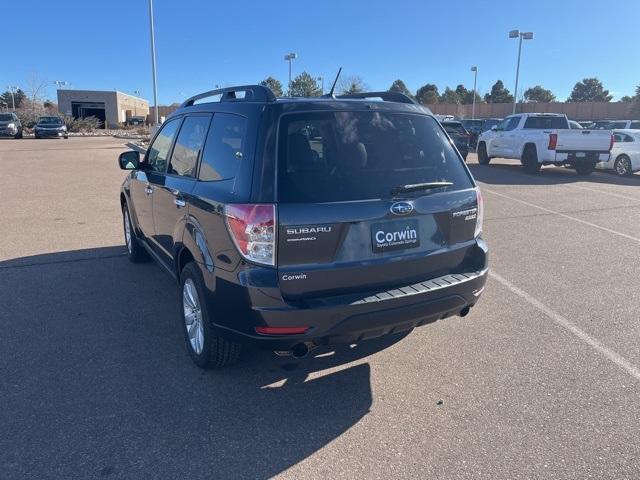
[538,139]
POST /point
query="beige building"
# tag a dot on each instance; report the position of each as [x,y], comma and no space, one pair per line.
[112,107]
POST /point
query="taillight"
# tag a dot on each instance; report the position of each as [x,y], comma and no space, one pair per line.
[253,230]
[553,141]
[479,213]
[613,139]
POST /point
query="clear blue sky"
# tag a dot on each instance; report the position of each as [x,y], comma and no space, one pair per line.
[200,43]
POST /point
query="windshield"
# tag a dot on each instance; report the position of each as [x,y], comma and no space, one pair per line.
[6,117]
[346,156]
[50,121]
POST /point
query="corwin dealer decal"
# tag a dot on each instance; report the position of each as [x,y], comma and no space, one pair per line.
[395,235]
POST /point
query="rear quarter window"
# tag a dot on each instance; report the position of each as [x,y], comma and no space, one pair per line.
[349,156]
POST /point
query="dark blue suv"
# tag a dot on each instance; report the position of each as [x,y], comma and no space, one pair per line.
[291,223]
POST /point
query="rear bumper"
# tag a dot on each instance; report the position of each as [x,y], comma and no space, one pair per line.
[352,318]
[571,157]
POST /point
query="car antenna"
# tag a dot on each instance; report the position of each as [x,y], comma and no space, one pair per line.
[330,94]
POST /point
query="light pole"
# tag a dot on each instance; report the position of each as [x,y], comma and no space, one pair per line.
[474,69]
[288,57]
[522,36]
[153,63]
[13,98]
[321,80]
[61,83]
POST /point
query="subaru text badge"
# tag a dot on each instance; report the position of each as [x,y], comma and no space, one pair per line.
[401,208]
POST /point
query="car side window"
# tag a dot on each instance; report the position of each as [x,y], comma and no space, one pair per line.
[635,125]
[159,150]
[224,148]
[628,138]
[513,123]
[503,124]
[184,159]
[618,137]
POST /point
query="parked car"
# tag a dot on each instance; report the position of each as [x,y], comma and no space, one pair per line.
[616,124]
[50,127]
[287,240]
[625,154]
[575,125]
[538,139]
[459,135]
[10,125]
[133,121]
[474,127]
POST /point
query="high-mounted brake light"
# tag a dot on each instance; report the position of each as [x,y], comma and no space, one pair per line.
[253,230]
[553,141]
[479,213]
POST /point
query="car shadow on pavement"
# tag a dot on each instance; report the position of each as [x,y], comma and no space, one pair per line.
[513,174]
[98,382]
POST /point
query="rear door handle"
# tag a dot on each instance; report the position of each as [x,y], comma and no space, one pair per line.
[179,202]
[148,189]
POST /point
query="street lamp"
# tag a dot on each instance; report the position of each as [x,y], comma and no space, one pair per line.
[288,57]
[153,63]
[474,69]
[321,80]
[61,83]
[13,98]
[522,36]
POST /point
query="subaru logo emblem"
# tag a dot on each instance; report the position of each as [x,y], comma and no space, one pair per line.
[401,208]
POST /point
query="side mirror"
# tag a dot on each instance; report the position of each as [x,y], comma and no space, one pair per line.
[129,160]
[494,128]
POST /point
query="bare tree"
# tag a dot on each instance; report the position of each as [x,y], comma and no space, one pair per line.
[36,90]
[353,84]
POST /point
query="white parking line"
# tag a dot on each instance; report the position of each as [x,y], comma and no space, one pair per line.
[582,187]
[599,227]
[615,357]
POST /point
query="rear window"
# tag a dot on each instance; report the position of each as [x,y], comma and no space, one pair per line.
[472,123]
[6,117]
[454,128]
[546,123]
[347,156]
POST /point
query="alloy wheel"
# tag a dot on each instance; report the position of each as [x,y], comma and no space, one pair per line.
[193,315]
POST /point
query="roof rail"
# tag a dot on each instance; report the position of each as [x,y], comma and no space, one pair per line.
[252,93]
[387,96]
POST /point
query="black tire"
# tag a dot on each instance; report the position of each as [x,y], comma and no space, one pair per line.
[135,251]
[622,166]
[66,137]
[530,160]
[216,351]
[18,135]
[483,158]
[585,168]
[37,136]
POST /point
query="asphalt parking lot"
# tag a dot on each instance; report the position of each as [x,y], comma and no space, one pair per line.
[540,380]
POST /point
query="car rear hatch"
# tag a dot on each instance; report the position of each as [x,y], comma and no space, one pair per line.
[369,200]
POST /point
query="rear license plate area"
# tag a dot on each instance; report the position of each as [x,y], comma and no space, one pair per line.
[396,235]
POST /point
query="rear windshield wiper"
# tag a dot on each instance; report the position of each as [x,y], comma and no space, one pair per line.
[419,186]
